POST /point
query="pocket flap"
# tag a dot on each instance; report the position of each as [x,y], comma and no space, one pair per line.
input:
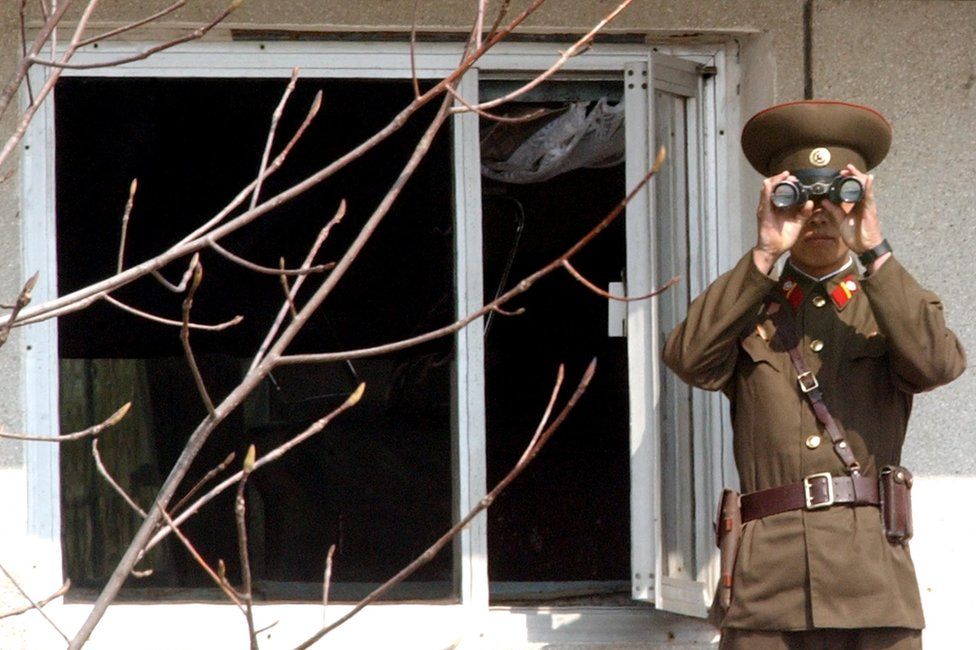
[759,350]
[867,345]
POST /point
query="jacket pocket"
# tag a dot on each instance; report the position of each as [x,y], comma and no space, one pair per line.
[760,351]
[862,345]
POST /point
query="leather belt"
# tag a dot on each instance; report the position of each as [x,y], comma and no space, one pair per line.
[813,492]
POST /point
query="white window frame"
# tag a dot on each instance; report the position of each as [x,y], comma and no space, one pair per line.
[471,617]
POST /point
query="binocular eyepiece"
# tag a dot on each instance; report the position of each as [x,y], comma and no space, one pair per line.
[817,183]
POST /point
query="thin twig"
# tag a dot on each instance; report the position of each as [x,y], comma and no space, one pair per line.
[279,160]
[327,577]
[502,12]
[267,270]
[275,118]
[270,457]
[125,222]
[541,436]
[23,299]
[240,512]
[112,420]
[219,580]
[206,479]
[23,47]
[528,117]
[576,48]
[218,327]
[413,51]
[191,243]
[34,605]
[185,340]
[286,306]
[112,482]
[17,77]
[41,603]
[196,34]
[184,281]
[133,25]
[609,296]
[289,298]
[27,116]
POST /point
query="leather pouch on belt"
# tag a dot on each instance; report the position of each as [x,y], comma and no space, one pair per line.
[728,534]
[896,503]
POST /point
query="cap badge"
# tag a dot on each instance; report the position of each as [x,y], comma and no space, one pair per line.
[820,156]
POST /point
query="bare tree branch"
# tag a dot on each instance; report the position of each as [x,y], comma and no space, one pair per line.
[539,439]
[125,222]
[609,296]
[576,48]
[134,25]
[112,420]
[270,457]
[33,604]
[224,464]
[190,244]
[184,281]
[494,305]
[41,603]
[219,580]
[196,34]
[23,299]
[289,301]
[327,576]
[218,327]
[267,270]
[185,340]
[18,76]
[275,118]
[112,482]
[240,511]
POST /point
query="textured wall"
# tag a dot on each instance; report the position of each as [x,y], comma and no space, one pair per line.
[915,62]
[10,274]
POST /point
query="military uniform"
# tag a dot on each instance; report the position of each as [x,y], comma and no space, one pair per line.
[872,342]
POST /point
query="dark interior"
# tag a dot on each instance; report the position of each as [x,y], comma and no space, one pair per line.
[377,483]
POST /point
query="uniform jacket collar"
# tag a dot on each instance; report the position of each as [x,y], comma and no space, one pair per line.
[796,287]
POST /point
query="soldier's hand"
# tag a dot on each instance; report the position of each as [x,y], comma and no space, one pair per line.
[858,223]
[778,228]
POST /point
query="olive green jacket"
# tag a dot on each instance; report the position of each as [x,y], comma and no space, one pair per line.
[879,340]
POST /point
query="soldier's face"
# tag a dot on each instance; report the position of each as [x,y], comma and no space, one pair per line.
[820,249]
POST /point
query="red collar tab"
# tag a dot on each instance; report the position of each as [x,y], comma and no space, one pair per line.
[844,291]
[792,292]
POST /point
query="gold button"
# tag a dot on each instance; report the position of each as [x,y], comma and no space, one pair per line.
[819,301]
[816,345]
[813,441]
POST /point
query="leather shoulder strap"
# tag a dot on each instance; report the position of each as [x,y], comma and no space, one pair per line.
[786,332]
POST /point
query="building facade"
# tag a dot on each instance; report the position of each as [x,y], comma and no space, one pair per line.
[606,537]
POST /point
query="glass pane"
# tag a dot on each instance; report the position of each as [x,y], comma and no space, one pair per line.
[677,497]
[561,531]
[376,483]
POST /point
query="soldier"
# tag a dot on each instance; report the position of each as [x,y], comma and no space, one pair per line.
[820,366]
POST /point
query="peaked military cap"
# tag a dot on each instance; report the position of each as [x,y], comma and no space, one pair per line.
[815,134]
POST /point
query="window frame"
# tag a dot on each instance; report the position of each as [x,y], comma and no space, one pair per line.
[366,60]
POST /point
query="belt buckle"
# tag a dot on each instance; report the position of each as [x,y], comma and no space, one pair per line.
[806,388]
[811,502]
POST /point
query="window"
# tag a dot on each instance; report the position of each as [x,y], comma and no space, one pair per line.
[617,508]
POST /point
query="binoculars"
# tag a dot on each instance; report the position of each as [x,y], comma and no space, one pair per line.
[839,189]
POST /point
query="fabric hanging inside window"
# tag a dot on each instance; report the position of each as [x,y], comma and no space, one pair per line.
[580,134]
